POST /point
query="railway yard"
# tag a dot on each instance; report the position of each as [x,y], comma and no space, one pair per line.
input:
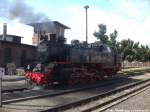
[48,66]
[128,91]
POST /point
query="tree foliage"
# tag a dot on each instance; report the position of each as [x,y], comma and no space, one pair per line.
[100,35]
[130,50]
[133,51]
[113,36]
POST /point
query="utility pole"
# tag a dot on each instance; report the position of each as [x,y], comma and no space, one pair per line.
[86,7]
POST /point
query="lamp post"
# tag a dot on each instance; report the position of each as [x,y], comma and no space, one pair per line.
[86,7]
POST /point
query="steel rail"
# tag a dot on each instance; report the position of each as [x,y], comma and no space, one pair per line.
[13,90]
[116,100]
[94,98]
[60,93]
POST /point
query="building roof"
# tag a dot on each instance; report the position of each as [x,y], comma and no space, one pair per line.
[47,27]
[49,22]
[8,42]
[11,36]
[60,24]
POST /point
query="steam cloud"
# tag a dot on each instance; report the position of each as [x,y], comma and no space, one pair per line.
[18,9]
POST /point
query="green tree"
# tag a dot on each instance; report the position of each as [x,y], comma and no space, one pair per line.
[130,50]
[144,53]
[127,49]
[113,36]
[100,35]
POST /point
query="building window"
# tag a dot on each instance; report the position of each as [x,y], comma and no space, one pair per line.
[9,38]
[52,37]
[7,55]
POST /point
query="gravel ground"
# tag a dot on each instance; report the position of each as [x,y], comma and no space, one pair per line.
[31,106]
[138,103]
[48,102]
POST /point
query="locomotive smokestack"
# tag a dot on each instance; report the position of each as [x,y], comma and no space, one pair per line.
[4,31]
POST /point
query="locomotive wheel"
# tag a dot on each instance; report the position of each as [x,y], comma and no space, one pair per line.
[93,79]
[62,75]
[83,80]
[46,85]
[71,82]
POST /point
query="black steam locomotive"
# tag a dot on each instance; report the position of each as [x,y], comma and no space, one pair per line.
[60,63]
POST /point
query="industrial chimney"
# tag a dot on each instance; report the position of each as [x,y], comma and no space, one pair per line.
[4,31]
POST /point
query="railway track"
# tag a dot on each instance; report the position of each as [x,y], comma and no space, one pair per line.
[20,88]
[105,100]
[106,86]
[14,90]
[70,104]
[35,94]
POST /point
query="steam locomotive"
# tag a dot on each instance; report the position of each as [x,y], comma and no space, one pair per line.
[61,63]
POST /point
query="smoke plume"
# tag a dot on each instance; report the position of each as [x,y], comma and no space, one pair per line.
[18,9]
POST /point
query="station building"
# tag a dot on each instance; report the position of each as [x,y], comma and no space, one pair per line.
[13,51]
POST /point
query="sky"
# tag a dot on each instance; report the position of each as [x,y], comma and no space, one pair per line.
[131,18]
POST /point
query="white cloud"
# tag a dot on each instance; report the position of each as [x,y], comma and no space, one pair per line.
[128,19]
[76,22]
[129,8]
[126,27]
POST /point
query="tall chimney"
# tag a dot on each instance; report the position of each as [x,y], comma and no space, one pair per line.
[4,31]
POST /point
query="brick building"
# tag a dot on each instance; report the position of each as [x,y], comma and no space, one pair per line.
[18,53]
[13,51]
[51,29]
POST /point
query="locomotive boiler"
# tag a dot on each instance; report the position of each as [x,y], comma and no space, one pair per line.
[61,63]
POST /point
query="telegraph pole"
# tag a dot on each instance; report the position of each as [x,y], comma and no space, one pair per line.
[86,7]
